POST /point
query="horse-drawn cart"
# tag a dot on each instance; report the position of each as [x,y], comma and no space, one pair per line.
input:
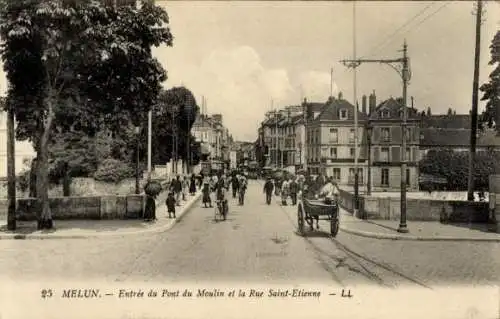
[309,210]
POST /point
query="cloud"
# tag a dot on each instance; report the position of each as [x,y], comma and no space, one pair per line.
[236,84]
[316,85]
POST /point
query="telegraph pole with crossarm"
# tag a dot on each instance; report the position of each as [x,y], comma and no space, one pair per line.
[404,72]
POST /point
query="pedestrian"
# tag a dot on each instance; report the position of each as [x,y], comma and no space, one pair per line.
[192,185]
[150,209]
[284,192]
[185,187]
[170,203]
[177,190]
[242,187]
[268,190]
[294,189]
[235,184]
[206,194]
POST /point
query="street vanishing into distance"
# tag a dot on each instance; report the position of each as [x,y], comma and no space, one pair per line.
[257,243]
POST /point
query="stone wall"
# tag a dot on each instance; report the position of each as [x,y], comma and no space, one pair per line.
[389,208]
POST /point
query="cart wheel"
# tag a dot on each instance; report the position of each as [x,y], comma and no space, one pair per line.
[300,219]
[334,226]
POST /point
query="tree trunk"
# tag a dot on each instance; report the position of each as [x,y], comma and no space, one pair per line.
[42,181]
[32,183]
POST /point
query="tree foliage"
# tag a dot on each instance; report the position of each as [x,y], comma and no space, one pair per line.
[454,167]
[174,116]
[78,65]
[491,89]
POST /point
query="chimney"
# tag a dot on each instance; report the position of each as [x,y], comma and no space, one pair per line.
[372,102]
[340,96]
[363,104]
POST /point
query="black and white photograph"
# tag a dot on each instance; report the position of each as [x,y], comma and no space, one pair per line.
[249,159]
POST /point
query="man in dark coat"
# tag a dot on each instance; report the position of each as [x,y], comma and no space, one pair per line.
[235,185]
[268,190]
[294,189]
[177,189]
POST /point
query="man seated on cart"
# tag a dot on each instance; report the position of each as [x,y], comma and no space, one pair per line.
[329,192]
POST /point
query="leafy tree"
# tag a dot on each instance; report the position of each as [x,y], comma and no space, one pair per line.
[491,89]
[454,167]
[78,65]
[176,108]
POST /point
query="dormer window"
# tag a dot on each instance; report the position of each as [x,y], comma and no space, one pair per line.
[343,114]
[384,114]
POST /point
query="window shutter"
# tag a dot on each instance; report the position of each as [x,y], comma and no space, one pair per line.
[415,154]
[376,154]
[376,135]
[396,155]
[396,134]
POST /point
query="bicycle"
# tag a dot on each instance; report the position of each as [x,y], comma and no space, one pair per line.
[220,210]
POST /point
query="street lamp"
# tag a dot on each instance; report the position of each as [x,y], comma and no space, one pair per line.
[137,131]
[369,130]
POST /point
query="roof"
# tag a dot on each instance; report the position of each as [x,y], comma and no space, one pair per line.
[447,121]
[393,106]
[331,111]
[449,137]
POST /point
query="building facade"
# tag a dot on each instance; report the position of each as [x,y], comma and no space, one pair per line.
[215,139]
[385,144]
[331,142]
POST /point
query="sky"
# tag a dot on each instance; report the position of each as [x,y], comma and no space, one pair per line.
[246,57]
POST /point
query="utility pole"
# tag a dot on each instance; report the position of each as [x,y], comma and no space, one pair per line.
[11,169]
[355,102]
[305,144]
[405,76]
[331,81]
[475,88]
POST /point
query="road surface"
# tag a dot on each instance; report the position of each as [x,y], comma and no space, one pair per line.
[257,243]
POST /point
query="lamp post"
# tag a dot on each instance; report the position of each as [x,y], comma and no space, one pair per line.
[369,130]
[137,131]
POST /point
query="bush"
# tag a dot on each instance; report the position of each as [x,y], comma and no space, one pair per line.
[113,171]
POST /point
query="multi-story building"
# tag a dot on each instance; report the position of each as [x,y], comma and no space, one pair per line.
[452,131]
[386,136]
[331,141]
[214,138]
[281,140]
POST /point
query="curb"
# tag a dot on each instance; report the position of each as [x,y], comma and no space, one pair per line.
[415,238]
[150,230]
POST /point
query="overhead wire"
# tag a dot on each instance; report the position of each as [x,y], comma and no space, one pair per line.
[389,38]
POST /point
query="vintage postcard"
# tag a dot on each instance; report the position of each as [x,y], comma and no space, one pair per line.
[249,159]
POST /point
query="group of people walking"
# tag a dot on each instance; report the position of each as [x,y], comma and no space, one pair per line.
[220,185]
[289,187]
[180,187]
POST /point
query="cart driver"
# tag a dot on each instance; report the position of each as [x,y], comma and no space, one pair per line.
[329,192]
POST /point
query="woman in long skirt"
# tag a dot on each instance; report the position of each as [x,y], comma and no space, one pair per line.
[150,210]
[192,185]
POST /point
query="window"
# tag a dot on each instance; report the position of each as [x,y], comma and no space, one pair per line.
[351,136]
[343,114]
[385,114]
[351,152]
[384,154]
[336,173]
[352,177]
[408,177]
[408,134]
[386,134]
[384,177]
[408,154]
[334,135]
[333,152]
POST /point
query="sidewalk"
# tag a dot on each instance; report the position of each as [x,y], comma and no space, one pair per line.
[423,231]
[73,229]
